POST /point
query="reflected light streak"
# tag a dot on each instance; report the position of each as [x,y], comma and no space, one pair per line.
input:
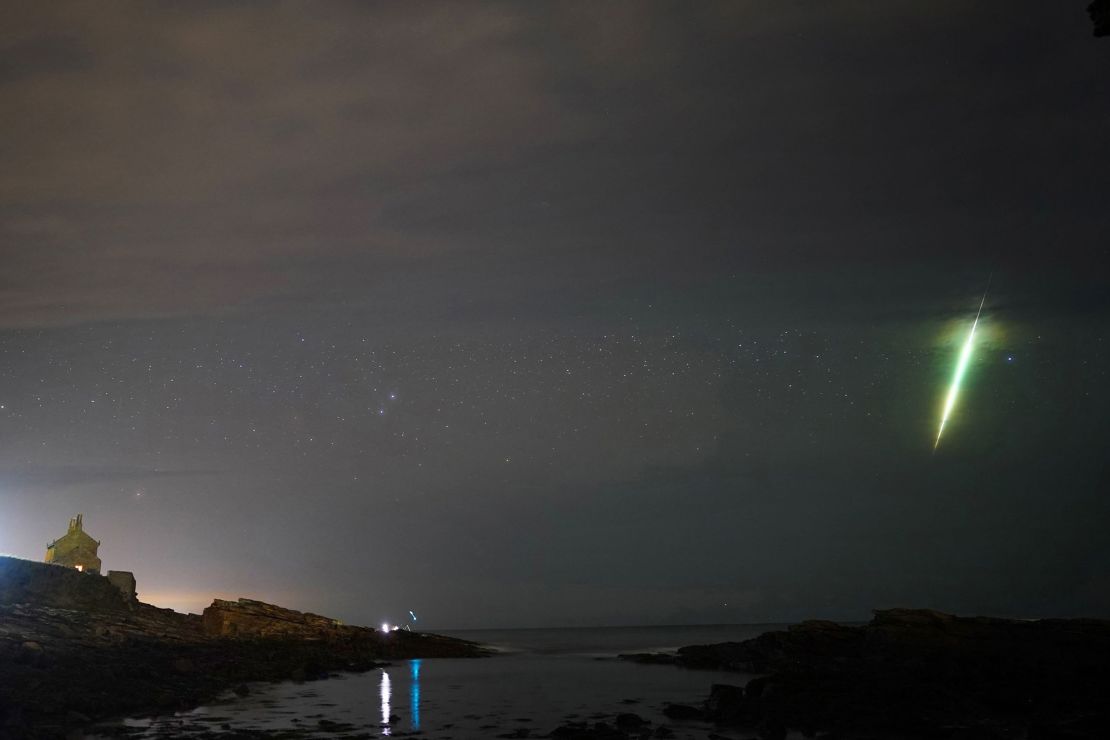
[414,695]
[386,694]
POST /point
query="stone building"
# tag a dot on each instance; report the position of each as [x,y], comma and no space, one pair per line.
[75,549]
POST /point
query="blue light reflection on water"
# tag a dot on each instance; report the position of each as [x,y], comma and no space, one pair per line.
[385,693]
[414,695]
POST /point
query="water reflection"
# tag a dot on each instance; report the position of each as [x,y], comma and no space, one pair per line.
[414,694]
[386,694]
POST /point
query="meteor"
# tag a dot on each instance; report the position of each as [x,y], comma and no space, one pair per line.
[961,368]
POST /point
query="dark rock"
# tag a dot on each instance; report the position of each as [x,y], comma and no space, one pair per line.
[771,729]
[184,665]
[45,584]
[628,721]
[754,689]
[682,711]
[69,642]
[1099,11]
[918,673]
[328,725]
[726,656]
[728,704]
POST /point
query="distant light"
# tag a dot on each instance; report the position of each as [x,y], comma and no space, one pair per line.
[1009,358]
[385,626]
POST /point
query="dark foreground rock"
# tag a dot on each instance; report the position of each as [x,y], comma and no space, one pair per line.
[1099,10]
[918,674]
[73,651]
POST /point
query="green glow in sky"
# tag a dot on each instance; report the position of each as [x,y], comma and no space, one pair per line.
[957,378]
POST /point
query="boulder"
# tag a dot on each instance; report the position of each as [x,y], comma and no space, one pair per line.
[728,704]
[1099,11]
[627,721]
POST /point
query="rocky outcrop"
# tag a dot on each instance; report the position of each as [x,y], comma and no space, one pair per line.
[73,650]
[248,618]
[918,673]
[61,669]
[46,584]
[124,581]
[1099,11]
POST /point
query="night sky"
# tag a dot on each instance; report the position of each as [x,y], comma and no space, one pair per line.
[524,314]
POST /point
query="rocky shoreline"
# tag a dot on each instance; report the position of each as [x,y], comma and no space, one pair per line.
[74,651]
[912,673]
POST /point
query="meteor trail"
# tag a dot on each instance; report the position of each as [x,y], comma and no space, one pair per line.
[961,367]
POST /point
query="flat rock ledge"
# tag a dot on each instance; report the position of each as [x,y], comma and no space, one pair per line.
[913,673]
[74,651]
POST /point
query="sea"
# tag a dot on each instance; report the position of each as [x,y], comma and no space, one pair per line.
[537,680]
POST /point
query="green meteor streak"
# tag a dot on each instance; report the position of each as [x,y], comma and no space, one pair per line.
[961,368]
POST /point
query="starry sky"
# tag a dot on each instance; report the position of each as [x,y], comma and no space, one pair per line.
[529,314]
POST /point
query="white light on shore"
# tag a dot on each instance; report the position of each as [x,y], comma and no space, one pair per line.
[385,626]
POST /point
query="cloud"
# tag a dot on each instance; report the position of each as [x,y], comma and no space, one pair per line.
[39,56]
[200,159]
[197,160]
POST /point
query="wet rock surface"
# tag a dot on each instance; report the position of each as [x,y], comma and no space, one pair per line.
[315,730]
[99,656]
[916,674]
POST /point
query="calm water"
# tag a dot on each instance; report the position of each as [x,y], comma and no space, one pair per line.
[540,679]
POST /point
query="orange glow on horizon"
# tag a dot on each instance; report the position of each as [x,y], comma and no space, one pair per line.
[195,601]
